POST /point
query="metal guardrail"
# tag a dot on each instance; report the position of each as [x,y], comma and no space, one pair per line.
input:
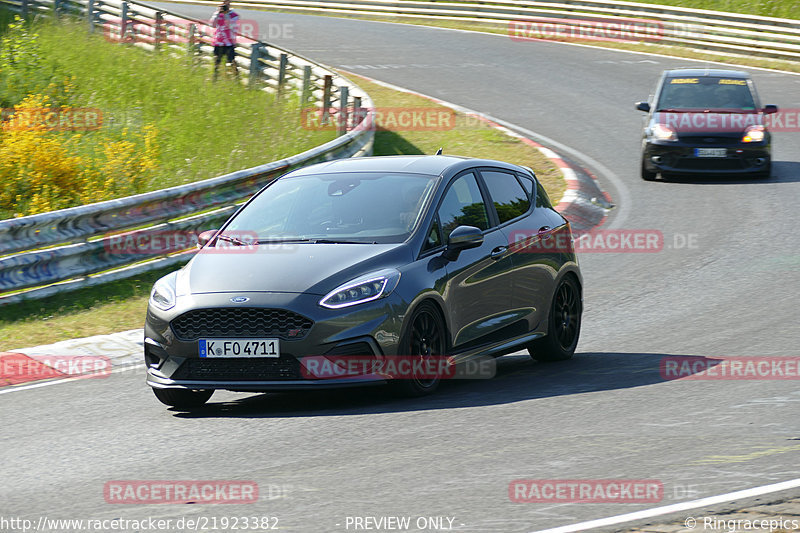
[54,252]
[731,33]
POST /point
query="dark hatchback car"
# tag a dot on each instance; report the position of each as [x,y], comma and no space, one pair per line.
[408,256]
[705,122]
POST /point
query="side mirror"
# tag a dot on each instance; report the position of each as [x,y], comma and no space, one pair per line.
[462,238]
[205,236]
[770,109]
[643,106]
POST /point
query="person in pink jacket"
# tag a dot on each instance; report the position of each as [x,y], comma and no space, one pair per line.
[225,23]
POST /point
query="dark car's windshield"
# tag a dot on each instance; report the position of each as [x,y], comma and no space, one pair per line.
[344,207]
[706,93]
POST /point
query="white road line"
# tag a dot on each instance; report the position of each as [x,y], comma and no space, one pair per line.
[674,508]
[65,380]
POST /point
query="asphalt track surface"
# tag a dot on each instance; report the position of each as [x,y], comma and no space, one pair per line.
[607,414]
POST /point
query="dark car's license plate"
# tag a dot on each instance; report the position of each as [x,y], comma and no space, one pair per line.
[710,152]
[239,348]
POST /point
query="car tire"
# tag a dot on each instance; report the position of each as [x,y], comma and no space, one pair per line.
[182,398]
[564,324]
[425,337]
[647,175]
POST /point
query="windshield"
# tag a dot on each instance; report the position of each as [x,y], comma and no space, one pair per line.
[706,93]
[345,207]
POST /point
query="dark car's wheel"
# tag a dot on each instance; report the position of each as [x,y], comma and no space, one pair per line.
[647,175]
[425,338]
[564,325]
[183,397]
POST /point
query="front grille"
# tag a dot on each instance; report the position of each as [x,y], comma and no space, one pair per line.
[240,322]
[710,139]
[721,164]
[239,369]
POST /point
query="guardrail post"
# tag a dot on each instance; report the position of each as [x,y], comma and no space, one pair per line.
[158,29]
[123,23]
[358,114]
[190,41]
[326,98]
[284,62]
[255,63]
[341,123]
[90,14]
[305,94]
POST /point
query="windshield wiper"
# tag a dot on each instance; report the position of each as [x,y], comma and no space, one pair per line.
[234,240]
[283,241]
[311,241]
[339,241]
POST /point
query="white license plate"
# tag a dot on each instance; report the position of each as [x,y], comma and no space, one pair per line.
[239,348]
[710,152]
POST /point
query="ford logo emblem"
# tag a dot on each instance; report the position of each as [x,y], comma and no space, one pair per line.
[240,299]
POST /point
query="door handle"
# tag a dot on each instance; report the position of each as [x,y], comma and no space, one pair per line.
[544,232]
[499,252]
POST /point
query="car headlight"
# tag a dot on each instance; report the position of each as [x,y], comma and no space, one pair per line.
[363,289]
[663,132]
[753,134]
[163,293]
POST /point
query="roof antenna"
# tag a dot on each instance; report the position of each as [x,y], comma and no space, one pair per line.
[439,151]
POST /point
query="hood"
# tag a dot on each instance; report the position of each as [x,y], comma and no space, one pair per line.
[710,123]
[305,267]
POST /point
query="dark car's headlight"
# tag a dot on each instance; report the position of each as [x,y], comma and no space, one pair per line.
[754,134]
[163,293]
[662,132]
[363,289]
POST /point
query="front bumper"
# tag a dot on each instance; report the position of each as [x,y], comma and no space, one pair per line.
[679,157]
[369,330]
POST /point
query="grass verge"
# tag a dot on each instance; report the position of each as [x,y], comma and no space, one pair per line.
[163,120]
[121,305]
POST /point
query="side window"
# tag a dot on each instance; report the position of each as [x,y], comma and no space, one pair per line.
[434,239]
[463,205]
[527,183]
[509,198]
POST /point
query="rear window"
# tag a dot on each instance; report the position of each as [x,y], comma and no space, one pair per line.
[706,93]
